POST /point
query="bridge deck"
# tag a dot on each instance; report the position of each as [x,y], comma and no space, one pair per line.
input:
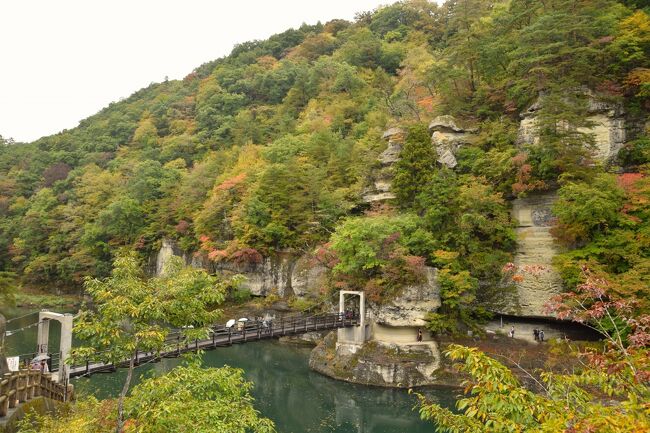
[222,336]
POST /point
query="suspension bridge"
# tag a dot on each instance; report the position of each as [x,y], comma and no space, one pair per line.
[19,386]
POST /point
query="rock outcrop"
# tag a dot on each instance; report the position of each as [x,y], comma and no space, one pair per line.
[608,127]
[308,276]
[392,356]
[447,136]
[379,363]
[411,306]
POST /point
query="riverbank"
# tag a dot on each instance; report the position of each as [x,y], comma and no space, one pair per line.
[31,298]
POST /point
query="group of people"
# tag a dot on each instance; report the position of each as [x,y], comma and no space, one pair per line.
[538,334]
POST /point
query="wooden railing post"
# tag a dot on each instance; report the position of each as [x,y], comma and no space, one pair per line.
[13,389]
[6,394]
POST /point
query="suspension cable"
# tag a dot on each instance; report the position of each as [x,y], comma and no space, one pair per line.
[14,331]
[20,317]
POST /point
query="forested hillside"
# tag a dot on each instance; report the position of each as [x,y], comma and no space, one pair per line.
[270,149]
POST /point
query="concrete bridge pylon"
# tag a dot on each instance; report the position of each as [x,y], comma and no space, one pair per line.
[65,344]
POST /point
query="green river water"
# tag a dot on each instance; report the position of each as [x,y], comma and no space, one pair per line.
[297,399]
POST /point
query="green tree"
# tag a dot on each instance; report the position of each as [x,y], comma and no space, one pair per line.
[131,313]
[416,166]
[588,209]
[190,398]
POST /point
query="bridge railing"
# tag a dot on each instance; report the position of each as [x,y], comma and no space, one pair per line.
[21,386]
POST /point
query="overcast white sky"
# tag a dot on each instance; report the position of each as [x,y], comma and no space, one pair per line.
[63,60]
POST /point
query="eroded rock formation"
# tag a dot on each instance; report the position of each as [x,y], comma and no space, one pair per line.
[411,306]
[447,136]
[379,363]
[380,182]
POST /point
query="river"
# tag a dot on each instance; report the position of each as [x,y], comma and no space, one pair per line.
[297,399]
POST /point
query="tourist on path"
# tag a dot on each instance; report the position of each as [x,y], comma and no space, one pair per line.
[419,334]
[512,332]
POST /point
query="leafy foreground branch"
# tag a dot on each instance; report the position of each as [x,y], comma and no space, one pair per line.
[497,402]
[611,394]
[187,399]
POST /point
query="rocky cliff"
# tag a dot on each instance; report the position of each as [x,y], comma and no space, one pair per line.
[284,273]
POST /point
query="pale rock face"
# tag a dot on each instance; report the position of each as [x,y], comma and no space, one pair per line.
[411,306]
[308,276]
[392,132]
[273,274]
[447,158]
[165,253]
[608,129]
[447,137]
[445,123]
[535,252]
[528,131]
[378,197]
[401,373]
[283,273]
[609,135]
[382,185]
